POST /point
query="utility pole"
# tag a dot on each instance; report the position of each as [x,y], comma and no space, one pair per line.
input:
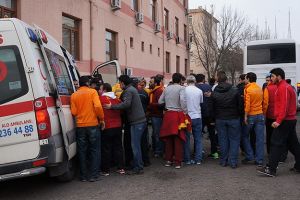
[289,29]
[275,35]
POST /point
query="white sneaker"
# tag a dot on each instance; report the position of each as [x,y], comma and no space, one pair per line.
[168,164]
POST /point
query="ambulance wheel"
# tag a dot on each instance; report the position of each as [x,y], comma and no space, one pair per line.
[70,172]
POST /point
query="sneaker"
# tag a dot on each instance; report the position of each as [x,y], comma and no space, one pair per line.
[246,161]
[233,166]
[156,155]
[198,163]
[168,164]
[177,166]
[188,163]
[83,180]
[295,170]
[258,164]
[214,156]
[121,171]
[266,171]
[94,179]
[104,174]
[135,172]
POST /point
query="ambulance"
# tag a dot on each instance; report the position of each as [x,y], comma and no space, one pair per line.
[37,129]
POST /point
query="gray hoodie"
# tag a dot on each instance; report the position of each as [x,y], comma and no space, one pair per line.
[132,105]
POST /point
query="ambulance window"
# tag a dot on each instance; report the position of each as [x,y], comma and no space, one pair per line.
[13,82]
[60,72]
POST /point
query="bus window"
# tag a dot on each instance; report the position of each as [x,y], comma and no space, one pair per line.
[271,54]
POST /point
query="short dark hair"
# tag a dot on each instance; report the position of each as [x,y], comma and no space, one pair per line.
[107,87]
[125,79]
[251,76]
[200,78]
[242,76]
[278,72]
[177,77]
[157,80]
[160,76]
[289,81]
[212,81]
[84,81]
[221,76]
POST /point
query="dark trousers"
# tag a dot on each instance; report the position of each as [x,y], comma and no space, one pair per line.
[88,147]
[174,149]
[145,146]
[213,137]
[284,138]
[112,148]
[127,146]
[253,139]
[269,131]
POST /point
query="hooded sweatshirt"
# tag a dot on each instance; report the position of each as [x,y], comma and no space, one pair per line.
[226,102]
[112,118]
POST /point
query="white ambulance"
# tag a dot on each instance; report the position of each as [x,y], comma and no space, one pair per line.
[37,130]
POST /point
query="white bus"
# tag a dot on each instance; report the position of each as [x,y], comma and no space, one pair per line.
[263,55]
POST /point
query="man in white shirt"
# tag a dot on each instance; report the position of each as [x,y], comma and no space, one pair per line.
[193,98]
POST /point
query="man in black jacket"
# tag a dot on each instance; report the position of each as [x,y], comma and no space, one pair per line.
[135,116]
[226,107]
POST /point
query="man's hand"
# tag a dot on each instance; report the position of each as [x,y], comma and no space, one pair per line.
[102,125]
[107,106]
[207,94]
[275,124]
[246,120]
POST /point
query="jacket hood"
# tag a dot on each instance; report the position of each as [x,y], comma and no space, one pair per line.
[110,94]
[223,87]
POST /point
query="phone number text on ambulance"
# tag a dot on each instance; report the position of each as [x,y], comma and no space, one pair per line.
[25,130]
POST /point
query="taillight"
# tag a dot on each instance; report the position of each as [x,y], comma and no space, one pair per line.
[298,85]
[39,163]
[42,118]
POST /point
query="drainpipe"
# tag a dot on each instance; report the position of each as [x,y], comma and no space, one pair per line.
[91,36]
[163,36]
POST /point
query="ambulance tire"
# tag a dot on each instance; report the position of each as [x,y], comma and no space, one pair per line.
[70,172]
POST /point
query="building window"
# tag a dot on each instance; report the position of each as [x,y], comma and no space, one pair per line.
[143,46]
[190,20]
[185,33]
[177,26]
[184,4]
[70,39]
[166,16]
[186,67]
[168,62]
[131,42]
[153,4]
[110,45]
[150,48]
[158,52]
[135,5]
[177,64]
[7,8]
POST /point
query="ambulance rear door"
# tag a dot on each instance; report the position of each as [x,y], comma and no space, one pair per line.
[109,72]
[62,84]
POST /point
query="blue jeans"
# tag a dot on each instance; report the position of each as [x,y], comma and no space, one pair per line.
[156,142]
[136,132]
[258,123]
[229,140]
[197,134]
[88,147]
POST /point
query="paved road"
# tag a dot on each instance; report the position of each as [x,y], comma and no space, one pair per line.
[208,181]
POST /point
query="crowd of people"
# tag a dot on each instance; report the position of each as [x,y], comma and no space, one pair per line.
[112,122]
